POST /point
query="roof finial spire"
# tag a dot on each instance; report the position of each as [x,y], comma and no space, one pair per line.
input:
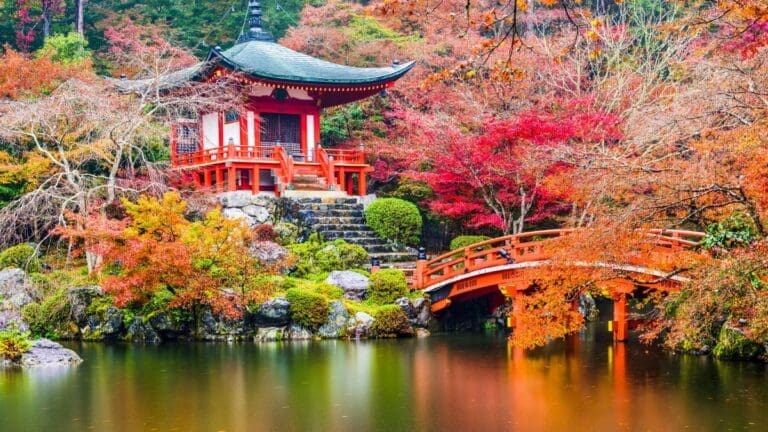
[255,31]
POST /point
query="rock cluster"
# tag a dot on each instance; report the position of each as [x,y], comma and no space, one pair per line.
[16,291]
[254,209]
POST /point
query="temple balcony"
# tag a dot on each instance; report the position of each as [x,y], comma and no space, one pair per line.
[273,168]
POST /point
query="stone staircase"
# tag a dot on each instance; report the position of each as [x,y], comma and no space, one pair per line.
[344,218]
[308,180]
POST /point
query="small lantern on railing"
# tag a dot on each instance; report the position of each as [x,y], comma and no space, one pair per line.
[422,254]
[375,262]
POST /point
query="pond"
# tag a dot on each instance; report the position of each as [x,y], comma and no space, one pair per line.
[470,382]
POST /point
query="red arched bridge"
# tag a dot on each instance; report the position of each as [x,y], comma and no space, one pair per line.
[508,264]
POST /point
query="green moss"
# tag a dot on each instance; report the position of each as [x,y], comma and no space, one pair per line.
[732,344]
[395,219]
[23,256]
[308,308]
[13,344]
[287,233]
[45,318]
[387,285]
[391,321]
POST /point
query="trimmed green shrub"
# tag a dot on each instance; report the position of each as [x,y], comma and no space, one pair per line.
[463,241]
[387,285]
[46,316]
[13,344]
[395,219]
[287,233]
[22,256]
[391,321]
[308,308]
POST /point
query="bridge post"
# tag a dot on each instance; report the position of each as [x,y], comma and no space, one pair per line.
[620,325]
[421,267]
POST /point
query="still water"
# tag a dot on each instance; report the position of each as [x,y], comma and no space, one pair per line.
[440,383]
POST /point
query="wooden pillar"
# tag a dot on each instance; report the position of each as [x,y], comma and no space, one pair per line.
[361,184]
[255,180]
[219,179]
[517,310]
[342,179]
[350,186]
[231,179]
[206,177]
[620,325]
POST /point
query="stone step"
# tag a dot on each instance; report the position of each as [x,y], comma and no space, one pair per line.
[350,234]
[334,220]
[362,241]
[332,213]
[324,207]
[401,260]
[375,250]
[342,227]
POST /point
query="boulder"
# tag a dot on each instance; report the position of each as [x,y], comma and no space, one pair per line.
[273,313]
[47,353]
[235,199]
[259,214]
[270,334]
[112,327]
[422,333]
[418,311]
[11,317]
[269,252]
[80,298]
[16,289]
[139,331]
[354,285]
[297,332]
[336,325]
[360,325]
[168,327]
[219,328]
[235,213]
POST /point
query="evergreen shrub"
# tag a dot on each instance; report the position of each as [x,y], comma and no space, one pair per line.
[13,344]
[22,256]
[395,219]
[387,285]
[463,241]
[308,308]
[391,321]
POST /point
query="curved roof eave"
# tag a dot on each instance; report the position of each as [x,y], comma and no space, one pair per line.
[387,74]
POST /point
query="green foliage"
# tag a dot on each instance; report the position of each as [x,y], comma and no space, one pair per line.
[22,256]
[395,219]
[736,230]
[67,49]
[413,191]
[391,321]
[316,256]
[387,285]
[340,124]
[45,317]
[463,241]
[368,29]
[13,344]
[308,308]
[732,344]
[287,233]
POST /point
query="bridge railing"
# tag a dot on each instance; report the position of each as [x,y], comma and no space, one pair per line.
[519,248]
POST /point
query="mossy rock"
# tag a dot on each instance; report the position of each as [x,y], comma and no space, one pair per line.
[733,345]
[391,321]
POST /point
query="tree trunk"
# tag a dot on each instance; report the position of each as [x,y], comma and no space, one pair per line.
[46,24]
[79,20]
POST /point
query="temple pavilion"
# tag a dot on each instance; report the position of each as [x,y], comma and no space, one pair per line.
[272,142]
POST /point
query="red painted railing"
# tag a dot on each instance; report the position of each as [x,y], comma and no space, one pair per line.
[346,156]
[526,247]
[287,169]
[326,166]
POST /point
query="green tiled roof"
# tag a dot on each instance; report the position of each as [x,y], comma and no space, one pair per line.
[269,60]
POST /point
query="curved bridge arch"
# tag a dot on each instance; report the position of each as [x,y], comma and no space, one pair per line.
[502,263]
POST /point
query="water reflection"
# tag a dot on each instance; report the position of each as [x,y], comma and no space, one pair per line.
[439,383]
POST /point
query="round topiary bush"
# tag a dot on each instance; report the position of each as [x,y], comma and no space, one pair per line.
[391,321]
[387,285]
[22,256]
[308,308]
[463,241]
[395,219]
